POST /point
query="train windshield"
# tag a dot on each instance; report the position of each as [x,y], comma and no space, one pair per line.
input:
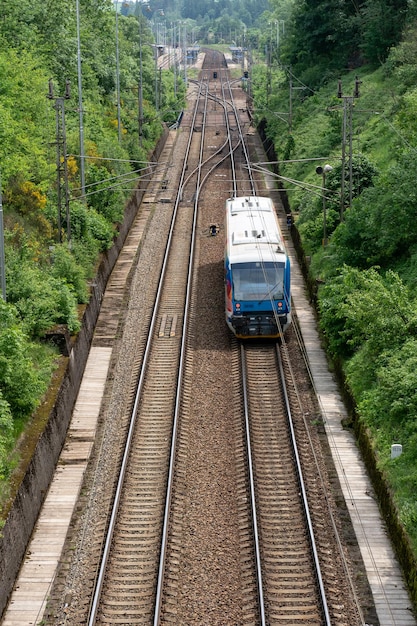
[258,281]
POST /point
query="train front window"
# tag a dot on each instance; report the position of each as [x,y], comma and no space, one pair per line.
[258,281]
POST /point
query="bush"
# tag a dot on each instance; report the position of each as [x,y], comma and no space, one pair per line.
[41,299]
[90,228]
[20,383]
[65,268]
[6,432]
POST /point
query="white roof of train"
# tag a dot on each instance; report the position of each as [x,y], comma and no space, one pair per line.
[252,230]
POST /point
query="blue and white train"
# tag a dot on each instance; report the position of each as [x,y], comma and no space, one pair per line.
[257,270]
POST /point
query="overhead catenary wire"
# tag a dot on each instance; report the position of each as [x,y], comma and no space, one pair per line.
[143,174]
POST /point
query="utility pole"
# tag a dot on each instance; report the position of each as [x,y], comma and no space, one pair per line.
[2,256]
[174,40]
[156,78]
[347,135]
[322,171]
[157,30]
[119,124]
[292,88]
[61,158]
[279,24]
[268,72]
[160,86]
[184,34]
[140,82]
[80,105]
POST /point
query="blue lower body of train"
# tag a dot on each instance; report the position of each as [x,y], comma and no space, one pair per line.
[258,301]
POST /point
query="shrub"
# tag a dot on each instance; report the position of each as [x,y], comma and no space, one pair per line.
[65,268]
[6,432]
[20,383]
[41,299]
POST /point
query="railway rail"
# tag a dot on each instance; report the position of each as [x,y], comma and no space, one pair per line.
[290,574]
[150,558]
[126,580]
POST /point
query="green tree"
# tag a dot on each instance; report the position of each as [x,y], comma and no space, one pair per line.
[382,223]
[382,24]
[322,32]
[23,117]
[359,307]
[41,298]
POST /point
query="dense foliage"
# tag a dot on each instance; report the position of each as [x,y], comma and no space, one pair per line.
[366,265]
[48,260]
[324,38]
[365,270]
[223,21]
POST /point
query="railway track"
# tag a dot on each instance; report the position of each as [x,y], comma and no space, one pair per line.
[290,576]
[125,586]
[179,519]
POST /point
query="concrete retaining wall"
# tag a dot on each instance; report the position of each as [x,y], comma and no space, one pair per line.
[32,491]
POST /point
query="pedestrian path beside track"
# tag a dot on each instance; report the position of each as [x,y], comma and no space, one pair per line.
[391,598]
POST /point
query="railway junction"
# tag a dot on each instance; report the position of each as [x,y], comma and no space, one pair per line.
[39,578]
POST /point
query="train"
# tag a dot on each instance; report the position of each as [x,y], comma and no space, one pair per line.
[257,270]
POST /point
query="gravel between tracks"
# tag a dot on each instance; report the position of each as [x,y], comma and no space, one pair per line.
[210,588]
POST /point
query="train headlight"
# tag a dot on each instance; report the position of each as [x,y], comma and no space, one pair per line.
[237,305]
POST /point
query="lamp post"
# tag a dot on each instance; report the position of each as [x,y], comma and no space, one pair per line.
[323,171]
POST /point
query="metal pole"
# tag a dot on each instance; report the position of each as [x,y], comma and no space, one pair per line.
[342,182]
[140,82]
[179,48]
[156,77]
[175,58]
[80,106]
[185,52]
[350,151]
[156,63]
[2,257]
[323,171]
[347,102]
[65,166]
[119,125]
[58,105]
[61,157]
[160,86]
[324,210]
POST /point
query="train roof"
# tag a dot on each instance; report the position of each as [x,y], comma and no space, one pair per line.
[252,230]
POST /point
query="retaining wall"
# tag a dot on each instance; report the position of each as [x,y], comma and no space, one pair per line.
[34,486]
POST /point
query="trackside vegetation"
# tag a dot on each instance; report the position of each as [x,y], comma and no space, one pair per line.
[333,82]
[49,264]
[361,248]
